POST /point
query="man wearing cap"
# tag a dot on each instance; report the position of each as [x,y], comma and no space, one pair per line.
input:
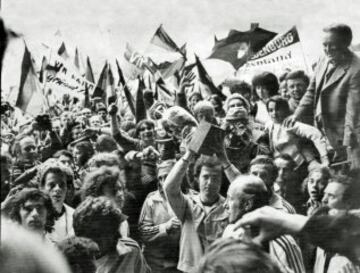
[240,147]
[159,227]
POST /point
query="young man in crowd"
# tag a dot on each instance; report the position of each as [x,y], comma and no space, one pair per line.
[159,227]
[203,216]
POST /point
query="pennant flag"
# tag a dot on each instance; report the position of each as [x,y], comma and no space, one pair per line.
[89,75]
[140,105]
[110,86]
[100,88]
[281,54]
[163,40]
[239,46]
[87,102]
[209,87]
[128,96]
[42,76]
[78,62]
[63,52]
[30,97]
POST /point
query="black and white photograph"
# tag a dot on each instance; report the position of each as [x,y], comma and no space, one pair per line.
[168,136]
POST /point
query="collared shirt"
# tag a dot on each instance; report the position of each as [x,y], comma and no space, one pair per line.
[161,249]
[277,202]
[200,227]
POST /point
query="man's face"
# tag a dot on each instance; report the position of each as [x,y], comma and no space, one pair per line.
[33,214]
[67,161]
[296,88]
[146,132]
[86,113]
[28,148]
[333,196]
[261,171]
[284,170]
[236,103]
[117,194]
[316,185]
[76,132]
[56,126]
[55,185]
[193,101]
[102,113]
[235,203]
[209,184]
[334,46]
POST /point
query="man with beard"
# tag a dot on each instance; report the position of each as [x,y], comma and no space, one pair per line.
[240,147]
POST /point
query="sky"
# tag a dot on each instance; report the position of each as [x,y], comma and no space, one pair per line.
[100,29]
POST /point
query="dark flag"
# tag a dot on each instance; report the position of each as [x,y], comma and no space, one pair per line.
[100,88]
[163,40]
[239,46]
[62,51]
[89,75]
[140,105]
[42,76]
[206,80]
[128,96]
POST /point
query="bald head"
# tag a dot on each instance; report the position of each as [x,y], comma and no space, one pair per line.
[246,193]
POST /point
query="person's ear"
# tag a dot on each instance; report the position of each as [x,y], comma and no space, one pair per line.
[249,204]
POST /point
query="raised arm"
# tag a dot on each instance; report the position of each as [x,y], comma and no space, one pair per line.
[172,185]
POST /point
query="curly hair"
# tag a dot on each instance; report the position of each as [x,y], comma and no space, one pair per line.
[20,198]
[104,159]
[97,210]
[236,256]
[95,181]
[325,173]
[56,167]
[86,150]
[80,252]
[106,143]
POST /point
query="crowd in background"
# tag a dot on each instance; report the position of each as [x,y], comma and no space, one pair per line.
[114,193]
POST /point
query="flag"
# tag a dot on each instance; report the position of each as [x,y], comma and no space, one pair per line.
[128,96]
[239,46]
[168,69]
[110,86]
[163,40]
[78,62]
[140,105]
[42,73]
[100,88]
[87,103]
[283,53]
[63,52]
[30,97]
[89,75]
[206,81]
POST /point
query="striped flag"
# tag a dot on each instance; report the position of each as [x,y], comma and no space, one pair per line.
[30,97]
[163,40]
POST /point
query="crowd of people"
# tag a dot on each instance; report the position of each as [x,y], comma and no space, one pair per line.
[113,193]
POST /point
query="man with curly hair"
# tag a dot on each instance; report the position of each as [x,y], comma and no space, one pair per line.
[32,209]
[55,179]
[99,219]
[80,254]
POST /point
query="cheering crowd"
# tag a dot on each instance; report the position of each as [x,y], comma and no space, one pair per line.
[279,191]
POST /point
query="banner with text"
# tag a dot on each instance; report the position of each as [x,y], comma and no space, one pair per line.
[282,54]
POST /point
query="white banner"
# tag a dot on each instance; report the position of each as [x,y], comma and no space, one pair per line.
[64,78]
[282,54]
